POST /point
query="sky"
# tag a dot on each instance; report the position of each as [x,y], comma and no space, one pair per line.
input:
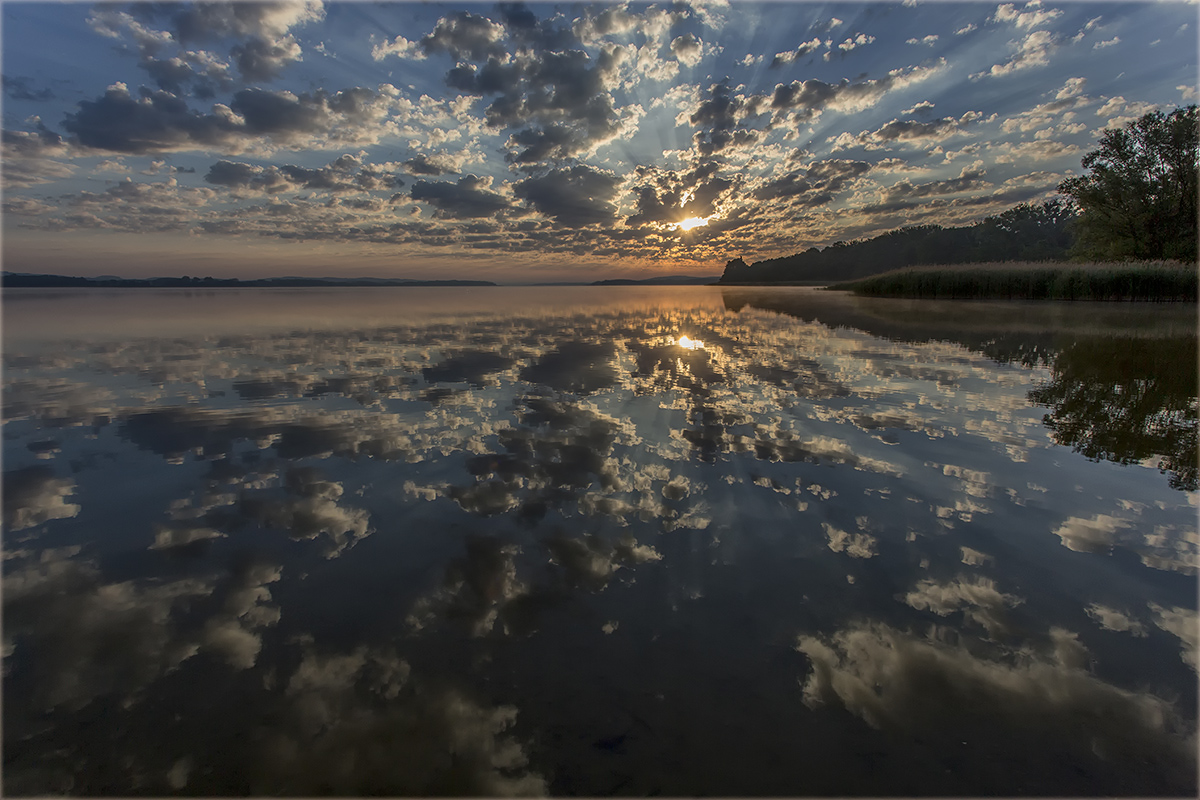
[538,142]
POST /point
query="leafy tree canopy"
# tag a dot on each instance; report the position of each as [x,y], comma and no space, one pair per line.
[1138,200]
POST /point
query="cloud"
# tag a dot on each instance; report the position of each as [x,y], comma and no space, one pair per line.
[815,184]
[877,673]
[261,61]
[30,157]
[803,49]
[978,598]
[33,495]
[1107,43]
[855,42]
[688,49]
[1113,620]
[213,20]
[669,196]
[558,101]
[1183,624]
[574,197]
[367,709]
[1094,535]
[807,99]
[442,164]
[471,197]
[1039,150]
[93,639]
[969,179]
[1031,17]
[722,116]
[19,87]
[856,545]
[919,108]
[310,509]
[262,45]
[158,121]
[465,36]
[346,174]
[929,40]
[907,131]
[1032,51]
[399,47]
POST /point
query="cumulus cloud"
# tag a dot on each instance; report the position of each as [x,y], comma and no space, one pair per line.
[688,49]
[94,638]
[977,597]
[1183,624]
[907,131]
[33,495]
[310,509]
[1032,51]
[1090,535]
[436,165]
[803,49]
[1031,16]
[1112,619]
[854,42]
[159,121]
[856,545]
[399,47]
[471,197]
[261,48]
[360,723]
[877,673]
[722,118]
[968,180]
[348,173]
[668,196]
[815,184]
[807,99]
[575,197]
[465,36]
[32,157]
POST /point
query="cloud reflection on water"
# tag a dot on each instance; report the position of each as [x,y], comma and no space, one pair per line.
[425,519]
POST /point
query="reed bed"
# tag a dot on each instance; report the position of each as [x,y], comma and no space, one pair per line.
[1155,281]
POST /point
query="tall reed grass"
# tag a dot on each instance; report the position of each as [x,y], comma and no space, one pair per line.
[1156,281]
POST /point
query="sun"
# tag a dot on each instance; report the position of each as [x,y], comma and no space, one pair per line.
[691,222]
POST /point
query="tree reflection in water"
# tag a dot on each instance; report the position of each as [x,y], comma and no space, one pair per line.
[1126,399]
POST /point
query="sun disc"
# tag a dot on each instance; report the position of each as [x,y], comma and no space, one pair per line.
[692,222]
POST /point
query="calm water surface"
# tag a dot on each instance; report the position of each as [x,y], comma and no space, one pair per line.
[597,541]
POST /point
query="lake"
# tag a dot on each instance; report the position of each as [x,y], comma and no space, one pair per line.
[594,541]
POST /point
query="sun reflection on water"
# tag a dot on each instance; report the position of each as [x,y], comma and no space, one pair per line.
[690,344]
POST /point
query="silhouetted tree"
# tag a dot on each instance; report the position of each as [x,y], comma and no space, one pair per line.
[1139,198]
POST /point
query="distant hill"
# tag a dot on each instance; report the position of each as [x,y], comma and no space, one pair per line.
[666,280]
[1023,233]
[21,280]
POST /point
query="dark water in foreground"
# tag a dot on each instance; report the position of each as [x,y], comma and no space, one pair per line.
[597,541]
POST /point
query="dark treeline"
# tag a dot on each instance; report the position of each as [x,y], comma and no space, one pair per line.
[1024,233]
[1137,201]
[11,280]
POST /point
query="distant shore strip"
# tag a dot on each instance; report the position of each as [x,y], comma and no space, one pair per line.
[1156,281]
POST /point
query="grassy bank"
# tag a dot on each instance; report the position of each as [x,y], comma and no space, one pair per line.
[1157,281]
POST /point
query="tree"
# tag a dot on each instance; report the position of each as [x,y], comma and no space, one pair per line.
[1139,200]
